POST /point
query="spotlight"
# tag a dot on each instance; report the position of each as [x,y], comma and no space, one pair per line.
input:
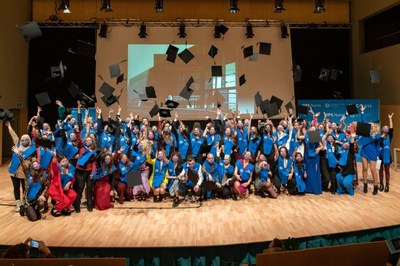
[103,30]
[64,6]
[279,6]
[106,6]
[182,33]
[142,33]
[284,31]
[234,7]
[249,31]
[319,6]
[158,6]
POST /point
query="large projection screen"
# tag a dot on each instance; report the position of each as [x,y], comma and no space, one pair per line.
[146,65]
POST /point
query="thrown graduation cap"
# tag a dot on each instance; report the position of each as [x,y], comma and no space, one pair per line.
[324,74]
[258,99]
[265,48]
[289,106]
[44,142]
[213,51]
[186,93]
[134,178]
[171,53]
[276,100]
[216,71]
[189,82]
[222,29]
[31,30]
[248,51]
[151,92]
[6,115]
[171,104]
[186,56]
[271,109]
[242,80]
[110,100]
[363,129]
[106,89]
[114,70]
[374,76]
[351,109]
[300,109]
[253,57]
[154,110]
[85,48]
[74,90]
[43,98]
[192,176]
[165,112]
[120,78]
[313,136]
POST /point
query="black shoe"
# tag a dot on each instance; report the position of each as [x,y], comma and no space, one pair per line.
[154,198]
[333,192]
[375,190]
[175,203]
[387,187]
[55,213]
[66,212]
[234,197]
[380,187]
[90,209]
[365,187]
[77,209]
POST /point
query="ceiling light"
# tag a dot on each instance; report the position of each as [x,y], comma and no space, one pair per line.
[182,32]
[158,6]
[319,6]
[64,6]
[249,31]
[279,6]
[234,6]
[106,6]
[142,33]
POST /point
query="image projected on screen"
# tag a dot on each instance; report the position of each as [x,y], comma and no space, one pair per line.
[191,84]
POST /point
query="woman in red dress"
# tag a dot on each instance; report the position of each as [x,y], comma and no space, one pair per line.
[104,177]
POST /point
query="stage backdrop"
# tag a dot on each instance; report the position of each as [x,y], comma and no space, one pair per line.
[335,109]
[146,65]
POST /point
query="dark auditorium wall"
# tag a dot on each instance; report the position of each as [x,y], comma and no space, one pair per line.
[386,60]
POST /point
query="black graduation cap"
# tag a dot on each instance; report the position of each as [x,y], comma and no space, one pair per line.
[192,176]
[265,48]
[300,109]
[313,136]
[258,99]
[216,71]
[171,104]
[205,149]
[242,80]
[222,29]
[186,93]
[74,90]
[120,78]
[134,178]
[374,76]
[154,110]
[110,100]
[186,56]
[213,51]
[210,185]
[43,98]
[363,129]
[6,115]
[324,74]
[276,100]
[248,51]
[115,70]
[39,122]
[106,89]
[85,49]
[189,82]
[165,112]
[271,109]
[31,30]
[289,106]
[171,53]
[150,92]
[351,109]
[46,143]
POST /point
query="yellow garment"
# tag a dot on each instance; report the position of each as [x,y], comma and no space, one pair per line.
[152,162]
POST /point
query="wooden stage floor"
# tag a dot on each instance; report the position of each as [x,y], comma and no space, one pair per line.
[216,222]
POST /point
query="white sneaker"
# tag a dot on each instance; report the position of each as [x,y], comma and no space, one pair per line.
[18,202]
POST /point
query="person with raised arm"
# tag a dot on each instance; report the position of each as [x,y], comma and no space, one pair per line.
[384,155]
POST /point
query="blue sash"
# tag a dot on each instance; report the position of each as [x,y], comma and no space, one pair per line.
[65,178]
[268,143]
[15,160]
[45,158]
[85,157]
[159,173]
[70,150]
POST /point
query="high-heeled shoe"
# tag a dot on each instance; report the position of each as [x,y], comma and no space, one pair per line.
[375,190]
[387,187]
[365,187]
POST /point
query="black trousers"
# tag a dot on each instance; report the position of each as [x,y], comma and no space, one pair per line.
[17,183]
[82,177]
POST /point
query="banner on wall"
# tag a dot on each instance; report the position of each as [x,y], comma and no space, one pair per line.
[336,109]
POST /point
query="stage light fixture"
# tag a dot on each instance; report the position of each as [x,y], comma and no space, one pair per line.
[249,31]
[279,6]
[182,32]
[64,6]
[159,6]
[234,6]
[319,6]
[284,31]
[142,33]
[106,6]
[103,30]
[220,30]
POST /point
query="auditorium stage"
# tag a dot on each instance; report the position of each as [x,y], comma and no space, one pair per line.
[214,223]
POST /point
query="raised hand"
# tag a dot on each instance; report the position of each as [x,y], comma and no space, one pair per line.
[59,103]
[390,116]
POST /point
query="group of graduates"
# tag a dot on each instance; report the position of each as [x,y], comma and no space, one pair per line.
[229,157]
